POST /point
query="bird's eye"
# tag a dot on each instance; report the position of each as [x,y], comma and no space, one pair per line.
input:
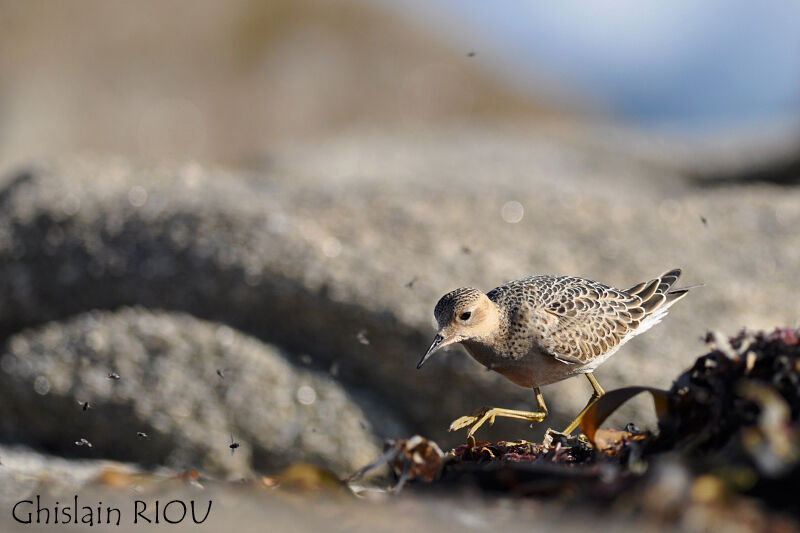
[465,315]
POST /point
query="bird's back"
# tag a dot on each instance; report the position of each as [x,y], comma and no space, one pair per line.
[579,321]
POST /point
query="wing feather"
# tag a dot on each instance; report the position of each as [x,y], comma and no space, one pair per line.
[582,319]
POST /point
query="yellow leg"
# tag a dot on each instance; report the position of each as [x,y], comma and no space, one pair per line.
[540,400]
[477,419]
[596,393]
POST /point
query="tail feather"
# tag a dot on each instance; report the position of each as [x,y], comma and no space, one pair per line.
[656,295]
[674,296]
[636,289]
[652,299]
[668,279]
[653,303]
[649,290]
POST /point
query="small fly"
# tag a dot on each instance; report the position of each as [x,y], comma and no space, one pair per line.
[233,445]
[83,442]
[113,375]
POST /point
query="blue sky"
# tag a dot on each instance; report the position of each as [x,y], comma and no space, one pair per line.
[682,63]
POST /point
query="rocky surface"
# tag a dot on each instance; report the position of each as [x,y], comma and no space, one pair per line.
[189,386]
[25,472]
[340,256]
[725,459]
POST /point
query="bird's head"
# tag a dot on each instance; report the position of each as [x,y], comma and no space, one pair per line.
[463,314]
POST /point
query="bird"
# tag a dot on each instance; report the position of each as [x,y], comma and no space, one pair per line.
[546,328]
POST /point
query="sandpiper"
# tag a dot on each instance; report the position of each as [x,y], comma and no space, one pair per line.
[542,329]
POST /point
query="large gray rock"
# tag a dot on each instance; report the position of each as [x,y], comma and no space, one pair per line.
[169,388]
[327,245]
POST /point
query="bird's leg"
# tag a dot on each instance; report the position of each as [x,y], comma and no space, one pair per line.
[540,400]
[480,417]
[596,393]
[598,390]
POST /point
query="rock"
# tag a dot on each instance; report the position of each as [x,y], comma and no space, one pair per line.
[168,389]
[25,472]
[337,246]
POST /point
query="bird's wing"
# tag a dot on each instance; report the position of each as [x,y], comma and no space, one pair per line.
[586,320]
[583,319]
[576,320]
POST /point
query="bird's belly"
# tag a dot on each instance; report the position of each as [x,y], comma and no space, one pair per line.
[534,369]
[537,370]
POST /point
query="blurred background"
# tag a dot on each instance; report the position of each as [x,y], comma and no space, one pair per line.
[248,209]
[229,82]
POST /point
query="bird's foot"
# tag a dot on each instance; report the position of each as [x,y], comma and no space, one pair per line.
[480,417]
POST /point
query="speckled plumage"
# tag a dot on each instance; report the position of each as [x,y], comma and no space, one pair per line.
[552,327]
[542,329]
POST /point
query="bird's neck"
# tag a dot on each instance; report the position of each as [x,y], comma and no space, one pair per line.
[489,347]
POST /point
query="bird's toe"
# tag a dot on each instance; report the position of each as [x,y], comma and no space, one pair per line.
[462,422]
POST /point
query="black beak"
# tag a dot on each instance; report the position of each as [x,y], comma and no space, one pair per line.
[437,343]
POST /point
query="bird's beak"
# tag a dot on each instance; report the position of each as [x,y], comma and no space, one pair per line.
[438,342]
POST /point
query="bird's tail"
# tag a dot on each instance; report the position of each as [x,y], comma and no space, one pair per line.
[657,296]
